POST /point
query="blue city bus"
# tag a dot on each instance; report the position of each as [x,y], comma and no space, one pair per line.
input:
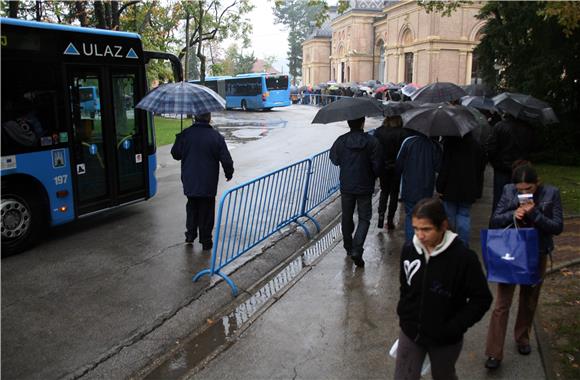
[90,102]
[61,159]
[254,91]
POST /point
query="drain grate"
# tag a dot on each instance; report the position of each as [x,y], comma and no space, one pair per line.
[216,336]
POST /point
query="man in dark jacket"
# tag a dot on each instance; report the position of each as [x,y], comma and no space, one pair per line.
[460,181]
[511,140]
[391,136]
[417,162]
[358,156]
[201,149]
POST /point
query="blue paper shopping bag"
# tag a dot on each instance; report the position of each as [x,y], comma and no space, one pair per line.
[511,255]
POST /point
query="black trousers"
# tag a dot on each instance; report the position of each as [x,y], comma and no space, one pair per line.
[390,183]
[363,203]
[500,179]
[200,213]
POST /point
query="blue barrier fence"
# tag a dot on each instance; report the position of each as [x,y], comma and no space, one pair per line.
[251,212]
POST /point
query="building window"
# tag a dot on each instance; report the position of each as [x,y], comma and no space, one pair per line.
[382,64]
[333,74]
[475,75]
[342,72]
[348,74]
[408,67]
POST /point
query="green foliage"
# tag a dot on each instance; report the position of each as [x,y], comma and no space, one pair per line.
[300,17]
[524,51]
[235,62]
[566,12]
[215,21]
[565,178]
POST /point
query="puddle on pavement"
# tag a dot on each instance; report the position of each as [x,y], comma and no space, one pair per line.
[225,330]
[238,131]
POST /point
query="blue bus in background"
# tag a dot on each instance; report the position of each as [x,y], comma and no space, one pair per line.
[90,102]
[254,91]
[73,143]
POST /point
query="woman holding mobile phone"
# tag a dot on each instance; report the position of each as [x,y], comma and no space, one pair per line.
[529,204]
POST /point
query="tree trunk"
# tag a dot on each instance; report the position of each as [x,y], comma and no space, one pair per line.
[13,9]
[186,65]
[100,15]
[115,15]
[199,53]
[108,15]
[81,12]
[38,9]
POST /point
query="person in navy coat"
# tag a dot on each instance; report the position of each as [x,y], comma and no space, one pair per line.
[201,149]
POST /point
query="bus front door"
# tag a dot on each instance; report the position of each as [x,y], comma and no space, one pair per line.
[108,146]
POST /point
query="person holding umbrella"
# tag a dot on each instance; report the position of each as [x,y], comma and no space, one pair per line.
[391,135]
[200,148]
[460,181]
[359,158]
[511,140]
[420,157]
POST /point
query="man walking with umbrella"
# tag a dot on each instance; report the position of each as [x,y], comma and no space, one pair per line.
[358,156]
[201,149]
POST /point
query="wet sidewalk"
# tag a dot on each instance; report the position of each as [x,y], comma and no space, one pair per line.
[338,322]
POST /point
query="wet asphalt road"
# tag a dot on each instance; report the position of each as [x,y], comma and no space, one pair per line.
[105,281]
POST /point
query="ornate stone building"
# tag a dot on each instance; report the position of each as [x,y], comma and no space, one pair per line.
[393,41]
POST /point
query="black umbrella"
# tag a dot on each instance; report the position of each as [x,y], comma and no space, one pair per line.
[479,102]
[483,130]
[393,108]
[478,90]
[525,107]
[440,120]
[348,109]
[438,92]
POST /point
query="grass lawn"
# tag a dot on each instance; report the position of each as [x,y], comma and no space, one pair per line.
[165,129]
[567,179]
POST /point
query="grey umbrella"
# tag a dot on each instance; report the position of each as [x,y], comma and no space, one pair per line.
[440,120]
[182,98]
[525,107]
[438,92]
[348,109]
[479,102]
[393,108]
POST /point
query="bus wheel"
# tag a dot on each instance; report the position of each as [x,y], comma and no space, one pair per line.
[244,105]
[22,221]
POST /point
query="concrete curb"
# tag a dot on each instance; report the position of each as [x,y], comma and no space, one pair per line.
[542,338]
[214,299]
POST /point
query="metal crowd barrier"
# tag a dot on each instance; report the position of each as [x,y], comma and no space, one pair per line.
[251,212]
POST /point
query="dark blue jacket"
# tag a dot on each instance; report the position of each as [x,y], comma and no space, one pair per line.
[546,216]
[359,158]
[417,162]
[200,149]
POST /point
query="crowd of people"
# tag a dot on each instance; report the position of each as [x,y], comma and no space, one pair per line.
[443,289]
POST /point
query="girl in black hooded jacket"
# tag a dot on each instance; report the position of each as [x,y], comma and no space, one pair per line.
[443,293]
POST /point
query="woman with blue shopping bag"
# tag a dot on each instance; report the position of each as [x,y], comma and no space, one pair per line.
[529,204]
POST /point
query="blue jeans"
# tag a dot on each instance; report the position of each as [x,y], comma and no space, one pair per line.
[459,215]
[409,232]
